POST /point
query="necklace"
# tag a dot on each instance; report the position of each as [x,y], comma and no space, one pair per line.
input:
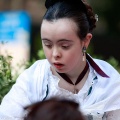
[80,77]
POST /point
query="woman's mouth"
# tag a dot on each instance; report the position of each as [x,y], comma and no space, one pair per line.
[58,65]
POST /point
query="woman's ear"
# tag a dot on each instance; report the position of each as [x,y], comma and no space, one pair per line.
[87,39]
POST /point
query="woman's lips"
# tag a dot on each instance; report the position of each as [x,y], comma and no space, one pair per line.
[58,65]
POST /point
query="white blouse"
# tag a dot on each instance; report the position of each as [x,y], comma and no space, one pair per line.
[99,98]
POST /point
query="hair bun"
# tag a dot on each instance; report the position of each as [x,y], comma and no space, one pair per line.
[49,3]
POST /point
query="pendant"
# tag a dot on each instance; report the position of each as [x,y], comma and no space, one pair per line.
[75,90]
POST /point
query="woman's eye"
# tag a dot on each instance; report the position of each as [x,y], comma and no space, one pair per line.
[48,45]
[65,46]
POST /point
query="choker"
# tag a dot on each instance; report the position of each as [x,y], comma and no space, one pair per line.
[80,77]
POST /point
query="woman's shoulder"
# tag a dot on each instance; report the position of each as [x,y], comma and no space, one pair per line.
[37,68]
[107,67]
[103,64]
[39,64]
[102,67]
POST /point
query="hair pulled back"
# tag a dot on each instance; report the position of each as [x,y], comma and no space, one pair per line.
[80,12]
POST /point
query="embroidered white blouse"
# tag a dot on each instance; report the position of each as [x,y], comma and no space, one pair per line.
[99,98]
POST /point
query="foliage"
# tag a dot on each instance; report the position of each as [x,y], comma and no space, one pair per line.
[6,78]
[114,63]
[40,55]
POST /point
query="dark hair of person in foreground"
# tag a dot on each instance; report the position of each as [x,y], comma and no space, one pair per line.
[54,109]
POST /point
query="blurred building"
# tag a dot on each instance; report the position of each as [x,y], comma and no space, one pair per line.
[35,8]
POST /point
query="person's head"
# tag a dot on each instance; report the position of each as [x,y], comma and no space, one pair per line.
[54,109]
[66,28]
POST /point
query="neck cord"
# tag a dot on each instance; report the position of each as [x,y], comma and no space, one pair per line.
[80,77]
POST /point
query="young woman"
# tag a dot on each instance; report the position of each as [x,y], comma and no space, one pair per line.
[68,71]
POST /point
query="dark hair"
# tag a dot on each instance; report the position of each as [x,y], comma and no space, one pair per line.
[81,13]
[54,109]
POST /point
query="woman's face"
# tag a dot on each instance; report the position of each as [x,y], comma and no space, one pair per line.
[62,46]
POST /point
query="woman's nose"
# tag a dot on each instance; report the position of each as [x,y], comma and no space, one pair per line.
[56,53]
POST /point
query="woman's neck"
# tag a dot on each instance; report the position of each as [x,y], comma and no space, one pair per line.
[73,75]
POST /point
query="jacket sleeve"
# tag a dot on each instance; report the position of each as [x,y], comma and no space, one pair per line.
[12,106]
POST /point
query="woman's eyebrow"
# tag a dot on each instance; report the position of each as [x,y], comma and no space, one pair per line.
[58,41]
[64,40]
[46,40]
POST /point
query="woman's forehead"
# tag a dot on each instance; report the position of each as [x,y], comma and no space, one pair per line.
[64,26]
